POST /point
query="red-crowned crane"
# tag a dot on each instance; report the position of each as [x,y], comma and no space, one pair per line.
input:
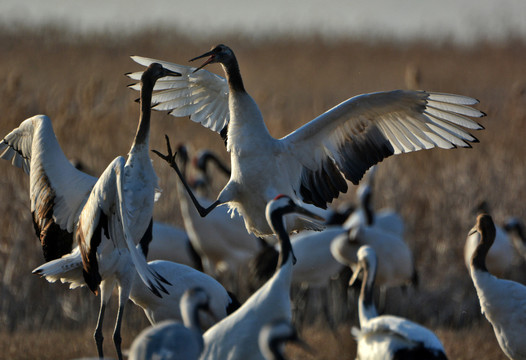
[503,254]
[236,336]
[308,163]
[107,216]
[387,336]
[501,301]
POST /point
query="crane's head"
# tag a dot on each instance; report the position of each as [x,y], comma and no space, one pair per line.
[156,71]
[486,228]
[219,54]
[366,262]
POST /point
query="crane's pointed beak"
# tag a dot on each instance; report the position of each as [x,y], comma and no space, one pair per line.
[168,72]
[355,275]
[302,211]
[208,61]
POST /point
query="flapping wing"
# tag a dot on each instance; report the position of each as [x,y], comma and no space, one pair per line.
[103,219]
[365,129]
[201,95]
[57,189]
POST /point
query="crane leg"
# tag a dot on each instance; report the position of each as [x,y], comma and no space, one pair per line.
[99,338]
[170,159]
[117,340]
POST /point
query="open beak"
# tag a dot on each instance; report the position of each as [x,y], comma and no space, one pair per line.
[208,61]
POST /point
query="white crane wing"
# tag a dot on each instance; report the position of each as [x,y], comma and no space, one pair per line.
[363,130]
[57,189]
[201,95]
[104,217]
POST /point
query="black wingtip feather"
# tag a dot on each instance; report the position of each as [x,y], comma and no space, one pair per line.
[154,290]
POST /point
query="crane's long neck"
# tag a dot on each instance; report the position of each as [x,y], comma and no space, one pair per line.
[478,259]
[366,307]
[233,75]
[286,255]
[368,210]
[143,129]
[190,314]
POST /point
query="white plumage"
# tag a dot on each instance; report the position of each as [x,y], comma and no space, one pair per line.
[171,340]
[182,278]
[385,219]
[503,302]
[388,337]
[171,243]
[395,260]
[168,242]
[236,336]
[107,216]
[307,164]
[315,262]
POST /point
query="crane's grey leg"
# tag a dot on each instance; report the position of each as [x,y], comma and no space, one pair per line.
[117,340]
[99,338]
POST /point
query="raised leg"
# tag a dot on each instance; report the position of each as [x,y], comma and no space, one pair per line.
[170,159]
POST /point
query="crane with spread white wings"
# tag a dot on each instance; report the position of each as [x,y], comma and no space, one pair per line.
[311,163]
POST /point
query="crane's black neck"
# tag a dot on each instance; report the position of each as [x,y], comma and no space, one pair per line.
[278,226]
[368,209]
[233,75]
[209,156]
[183,155]
[143,129]
[478,260]
[195,323]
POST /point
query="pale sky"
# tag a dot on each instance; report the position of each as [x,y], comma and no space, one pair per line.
[460,20]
